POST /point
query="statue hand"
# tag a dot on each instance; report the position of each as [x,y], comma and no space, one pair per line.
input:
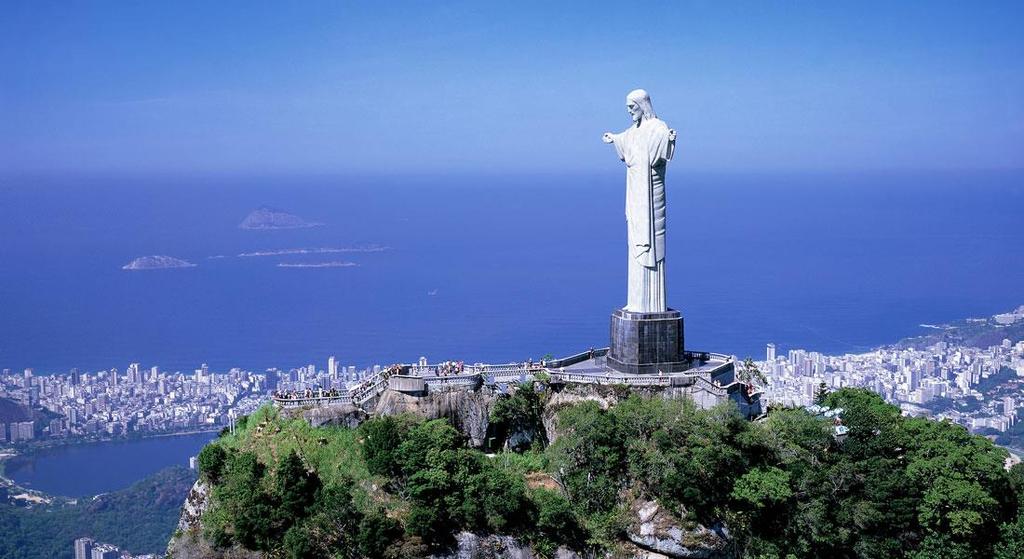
[607,137]
[671,134]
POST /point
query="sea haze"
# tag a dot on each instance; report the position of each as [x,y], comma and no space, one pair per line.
[488,268]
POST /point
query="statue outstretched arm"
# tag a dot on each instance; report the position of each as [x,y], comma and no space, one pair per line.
[610,138]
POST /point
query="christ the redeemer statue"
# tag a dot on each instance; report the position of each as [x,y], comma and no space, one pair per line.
[645,147]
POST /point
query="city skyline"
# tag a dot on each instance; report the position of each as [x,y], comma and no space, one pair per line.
[149,400]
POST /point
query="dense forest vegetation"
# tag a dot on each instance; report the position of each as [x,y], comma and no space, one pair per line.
[140,519]
[785,486]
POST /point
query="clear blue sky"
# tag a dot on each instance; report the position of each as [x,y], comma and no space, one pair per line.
[337,87]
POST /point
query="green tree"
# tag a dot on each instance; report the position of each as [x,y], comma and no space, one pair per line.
[966,493]
[942,546]
[875,427]
[296,488]
[377,533]
[503,504]
[212,459]
[250,508]
[957,507]
[436,469]
[381,438]
[423,443]
[589,457]
[1011,539]
[1015,476]
[555,523]
[333,523]
[821,394]
[520,413]
[297,543]
[698,451]
[762,488]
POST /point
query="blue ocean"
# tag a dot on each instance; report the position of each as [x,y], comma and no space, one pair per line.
[488,268]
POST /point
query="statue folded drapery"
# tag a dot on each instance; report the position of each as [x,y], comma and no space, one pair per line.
[645,147]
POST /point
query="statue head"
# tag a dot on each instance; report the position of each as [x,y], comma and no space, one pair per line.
[638,103]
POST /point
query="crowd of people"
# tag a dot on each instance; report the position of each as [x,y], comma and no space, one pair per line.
[360,390]
[448,368]
[307,393]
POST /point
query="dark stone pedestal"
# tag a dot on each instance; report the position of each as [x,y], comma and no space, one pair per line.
[645,343]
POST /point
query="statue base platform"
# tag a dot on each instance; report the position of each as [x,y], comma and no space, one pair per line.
[646,343]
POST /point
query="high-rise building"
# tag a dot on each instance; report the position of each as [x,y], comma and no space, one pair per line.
[133,373]
[332,367]
[771,353]
[912,378]
[21,431]
[83,548]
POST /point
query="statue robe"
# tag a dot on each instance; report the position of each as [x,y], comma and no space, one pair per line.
[645,149]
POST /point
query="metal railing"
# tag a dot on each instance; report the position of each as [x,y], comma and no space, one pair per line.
[453,381]
[474,375]
[610,378]
[574,359]
[303,401]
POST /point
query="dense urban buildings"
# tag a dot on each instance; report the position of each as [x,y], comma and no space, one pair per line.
[978,387]
[145,401]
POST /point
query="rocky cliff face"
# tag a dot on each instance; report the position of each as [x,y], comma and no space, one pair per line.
[469,412]
[188,541]
[654,529]
[341,415]
[472,546]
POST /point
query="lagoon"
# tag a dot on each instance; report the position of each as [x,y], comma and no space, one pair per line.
[87,469]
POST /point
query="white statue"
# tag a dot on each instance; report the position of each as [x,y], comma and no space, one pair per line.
[645,147]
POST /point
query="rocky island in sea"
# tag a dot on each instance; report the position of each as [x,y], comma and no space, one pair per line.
[157,262]
[269,218]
